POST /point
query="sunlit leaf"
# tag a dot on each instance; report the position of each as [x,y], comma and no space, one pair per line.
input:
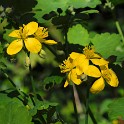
[106,43]
[78,35]
[52,5]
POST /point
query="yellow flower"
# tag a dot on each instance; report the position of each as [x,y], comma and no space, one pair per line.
[96,59]
[89,52]
[70,66]
[79,66]
[24,38]
[107,75]
[91,58]
[41,34]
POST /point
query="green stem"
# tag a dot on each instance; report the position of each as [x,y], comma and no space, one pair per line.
[92,116]
[119,30]
[87,105]
[11,81]
[74,105]
[84,101]
[32,79]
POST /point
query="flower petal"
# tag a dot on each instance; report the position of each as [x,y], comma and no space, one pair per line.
[99,62]
[92,71]
[41,33]
[97,86]
[33,45]
[96,56]
[49,42]
[15,47]
[75,55]
[31,28]
[66,83]
[74,77]
[15,33]
[83,63]
[114,80]
[67,80]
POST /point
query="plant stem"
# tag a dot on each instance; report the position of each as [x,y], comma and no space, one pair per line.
[119,30]
[11,81]
[74,105]
[32,79]
[87,105]
[92,116]
[90,111]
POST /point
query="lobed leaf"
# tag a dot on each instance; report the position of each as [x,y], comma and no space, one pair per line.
[106,44]
[78,35]
[116,109]
[12,111]
[53,5]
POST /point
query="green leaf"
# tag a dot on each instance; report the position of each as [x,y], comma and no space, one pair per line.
[7,37]
[53,5]
[12,111]
[83,3]
[116,109]
[78,35]
[42,105]
[2,65]
[104,106]
[53,79]
[106,43]
[46,105]
[1,48]
[3,24]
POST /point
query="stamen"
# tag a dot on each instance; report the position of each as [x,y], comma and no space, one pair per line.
[89,51]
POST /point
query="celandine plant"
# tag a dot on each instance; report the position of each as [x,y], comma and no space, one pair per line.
[88,64]
[29,36]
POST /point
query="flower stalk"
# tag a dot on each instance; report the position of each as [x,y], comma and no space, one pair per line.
[74,105]
[87,104]
[32,79]
[119,30]
[11,81]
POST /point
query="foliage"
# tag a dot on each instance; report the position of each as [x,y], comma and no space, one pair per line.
[116,109]
[73,43]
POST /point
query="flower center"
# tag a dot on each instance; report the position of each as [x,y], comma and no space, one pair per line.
[23,33]
[41,33]
[67,65]
[89,52]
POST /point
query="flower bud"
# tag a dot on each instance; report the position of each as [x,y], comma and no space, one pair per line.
[27,61]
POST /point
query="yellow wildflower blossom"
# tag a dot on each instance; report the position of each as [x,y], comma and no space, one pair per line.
[92,58]
[96,59]
[22,35]
[79,66]
[71,67]
[41,34]
[107,75]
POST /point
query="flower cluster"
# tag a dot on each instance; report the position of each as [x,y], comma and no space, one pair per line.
[29,36]
[80,65]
